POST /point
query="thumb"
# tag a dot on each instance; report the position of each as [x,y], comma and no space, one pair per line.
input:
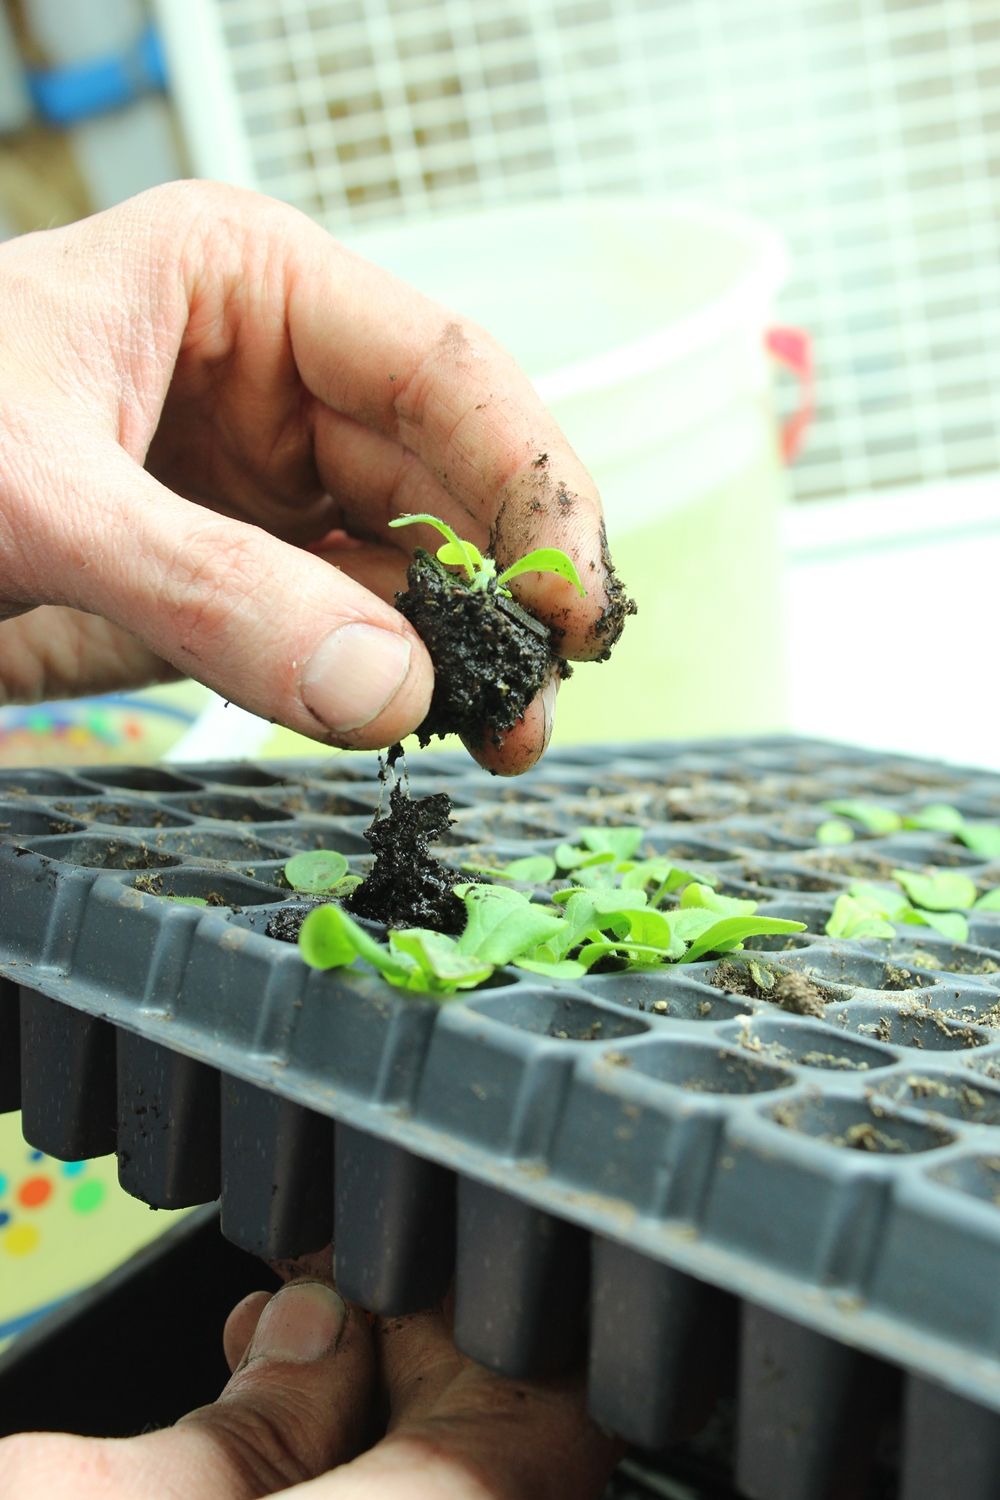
[271,627]
[297,1405]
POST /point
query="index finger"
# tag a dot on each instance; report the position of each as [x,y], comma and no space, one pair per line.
[373,349]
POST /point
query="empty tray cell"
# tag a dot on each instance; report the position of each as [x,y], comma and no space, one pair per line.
[803,1044]
[394,1225]
[140,779]
[209,887]
[706,1068]
[31,781]
[670,995]
[853,968]
[978,1176]
[347,837]
[235,773]
[168,1125]
[570,1018]
[951,1445]
[915,851]
[957,1095]
[92,852]
[789,878]
[215,844]
[661,1347]
[20,820]
[907,1025]
[859,1125]
[120,814]
[67,1079]
[10,1047]
[521,1281]
[810,1411]
[329,802]
[936,955]
[277,1173]
[230,808]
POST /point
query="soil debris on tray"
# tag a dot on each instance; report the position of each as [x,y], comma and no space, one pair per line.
[407,886]
[790,990]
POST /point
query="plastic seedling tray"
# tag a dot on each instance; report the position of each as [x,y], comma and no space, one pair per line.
[690,1185]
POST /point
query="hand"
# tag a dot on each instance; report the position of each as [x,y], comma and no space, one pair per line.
[300,1405]
[204,402]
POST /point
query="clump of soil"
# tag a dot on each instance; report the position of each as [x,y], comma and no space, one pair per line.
[491,657]
[407,886]
[791,990]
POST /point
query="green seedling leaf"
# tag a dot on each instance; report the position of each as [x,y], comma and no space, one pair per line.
[574,857]
[466,554]
[835,831]
[854,918]
[187,900]
[951,924]
[870,815]
[620,843]
[316,871]
[936,817]
[667,878]
[552,968]
[533,869]
[881,900]
[544,560]
[982,838]
[635,954]
[945,890]
[729,933]
[502,924]
[989,901]
[458,554]
[698,894]
[442,968]
[330,939]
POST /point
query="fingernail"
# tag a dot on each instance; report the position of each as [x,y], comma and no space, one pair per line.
[354,674]
[549,692]
[302,1322]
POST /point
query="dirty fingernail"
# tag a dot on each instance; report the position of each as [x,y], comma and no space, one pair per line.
[302,1322]
[354,674]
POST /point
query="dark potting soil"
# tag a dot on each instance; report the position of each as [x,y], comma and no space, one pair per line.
[407,886]
[490,656]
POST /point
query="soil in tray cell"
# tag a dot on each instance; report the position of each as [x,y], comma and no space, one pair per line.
[786,989]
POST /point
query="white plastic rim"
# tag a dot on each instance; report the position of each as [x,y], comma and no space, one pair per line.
[742,301]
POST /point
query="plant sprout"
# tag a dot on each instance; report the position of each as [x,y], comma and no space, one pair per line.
[481,572]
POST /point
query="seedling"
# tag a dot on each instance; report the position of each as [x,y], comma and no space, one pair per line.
[481,572]
[320,872]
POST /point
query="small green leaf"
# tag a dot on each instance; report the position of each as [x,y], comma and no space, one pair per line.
[936,817]
[834,831]
[501,924]
[870,815]
[989,900]
[727,906]
[945,890]
[533,869]
[881,900]
[458,554]
[951,924]
[466,552]
[729,932]
[544,560]
[853,918]
[621,843]
[442,968]
[982,838]
[552,968]
[187,900]
[316,871]
[574,857]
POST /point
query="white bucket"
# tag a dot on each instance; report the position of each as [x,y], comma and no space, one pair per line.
[642,324]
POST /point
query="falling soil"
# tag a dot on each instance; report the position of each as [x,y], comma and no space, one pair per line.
[491,657]
[407,886]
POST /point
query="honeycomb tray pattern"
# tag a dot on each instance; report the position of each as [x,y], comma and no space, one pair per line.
[695,1190]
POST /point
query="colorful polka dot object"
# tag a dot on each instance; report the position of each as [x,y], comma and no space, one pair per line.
[45,1183]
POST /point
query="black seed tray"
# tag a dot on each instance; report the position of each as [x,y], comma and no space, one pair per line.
[698,1190]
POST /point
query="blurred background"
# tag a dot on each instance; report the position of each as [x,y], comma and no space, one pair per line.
[748,249]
